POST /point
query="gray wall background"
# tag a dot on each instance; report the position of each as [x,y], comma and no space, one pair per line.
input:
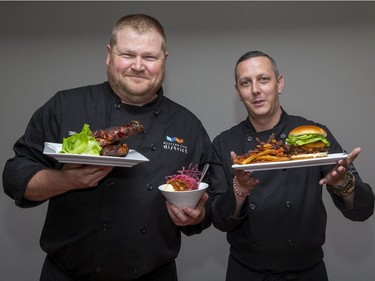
[324,49]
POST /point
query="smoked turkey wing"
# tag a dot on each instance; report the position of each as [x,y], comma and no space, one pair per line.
[118,150]
[110,135]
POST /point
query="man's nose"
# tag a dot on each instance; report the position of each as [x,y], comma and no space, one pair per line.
[138,63]
[255,87]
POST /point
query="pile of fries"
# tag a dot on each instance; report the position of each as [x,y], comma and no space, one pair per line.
[270,151]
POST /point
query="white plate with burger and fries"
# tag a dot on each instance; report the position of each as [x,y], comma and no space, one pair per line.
[305,146]
[319,161]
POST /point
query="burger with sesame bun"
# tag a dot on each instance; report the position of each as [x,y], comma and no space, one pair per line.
[307,141]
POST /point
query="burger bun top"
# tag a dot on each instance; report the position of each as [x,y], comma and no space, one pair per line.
[307,129]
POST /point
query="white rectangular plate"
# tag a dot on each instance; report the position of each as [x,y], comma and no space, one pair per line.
[131,159]
[329,160]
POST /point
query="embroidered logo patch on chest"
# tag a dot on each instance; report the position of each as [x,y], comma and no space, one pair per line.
[175,144]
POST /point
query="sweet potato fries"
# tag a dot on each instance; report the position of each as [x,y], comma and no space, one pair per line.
[270,151]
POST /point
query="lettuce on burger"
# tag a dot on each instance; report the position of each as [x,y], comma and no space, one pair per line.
[307,141]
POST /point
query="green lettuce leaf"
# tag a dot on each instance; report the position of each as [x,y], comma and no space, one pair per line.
[305,139]
[81,143]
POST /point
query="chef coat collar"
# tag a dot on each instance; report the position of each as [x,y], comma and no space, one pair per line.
[155,103]
[283,117]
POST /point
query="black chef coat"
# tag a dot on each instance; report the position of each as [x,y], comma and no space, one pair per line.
[283,222]
[120,229]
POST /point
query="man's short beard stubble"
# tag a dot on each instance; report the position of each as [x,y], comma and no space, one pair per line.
[126,93]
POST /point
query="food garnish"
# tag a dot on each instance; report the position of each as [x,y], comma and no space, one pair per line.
[81,143]
[185,179]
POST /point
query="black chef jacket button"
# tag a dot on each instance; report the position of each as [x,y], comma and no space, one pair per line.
[98,268]
[117,105]
[288,204]
[253,206]
[283,136]
[135,270]
[111,184]
[249,138]
[149,187]
[105,226]
[255,244]
[290,243]
[153,147]
[156,112]
[143,230]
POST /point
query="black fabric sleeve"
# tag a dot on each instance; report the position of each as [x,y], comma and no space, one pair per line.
[363,202]
[364,195]
[223,198]
[29,157]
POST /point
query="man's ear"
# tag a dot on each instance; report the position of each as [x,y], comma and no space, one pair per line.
[108,54]
[280,83]
[237,92]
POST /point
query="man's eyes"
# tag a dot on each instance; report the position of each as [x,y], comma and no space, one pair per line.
[127,56]
[262,80]
[150,58]
[146,58]
[245,83]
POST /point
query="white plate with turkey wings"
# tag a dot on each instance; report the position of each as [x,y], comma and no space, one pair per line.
[132,158]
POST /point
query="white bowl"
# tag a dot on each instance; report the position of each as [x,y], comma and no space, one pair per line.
[189,198]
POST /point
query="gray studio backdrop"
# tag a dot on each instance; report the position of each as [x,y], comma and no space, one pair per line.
[325,51]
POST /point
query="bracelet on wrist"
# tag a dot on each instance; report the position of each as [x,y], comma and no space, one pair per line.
[347,187]
[237,191]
